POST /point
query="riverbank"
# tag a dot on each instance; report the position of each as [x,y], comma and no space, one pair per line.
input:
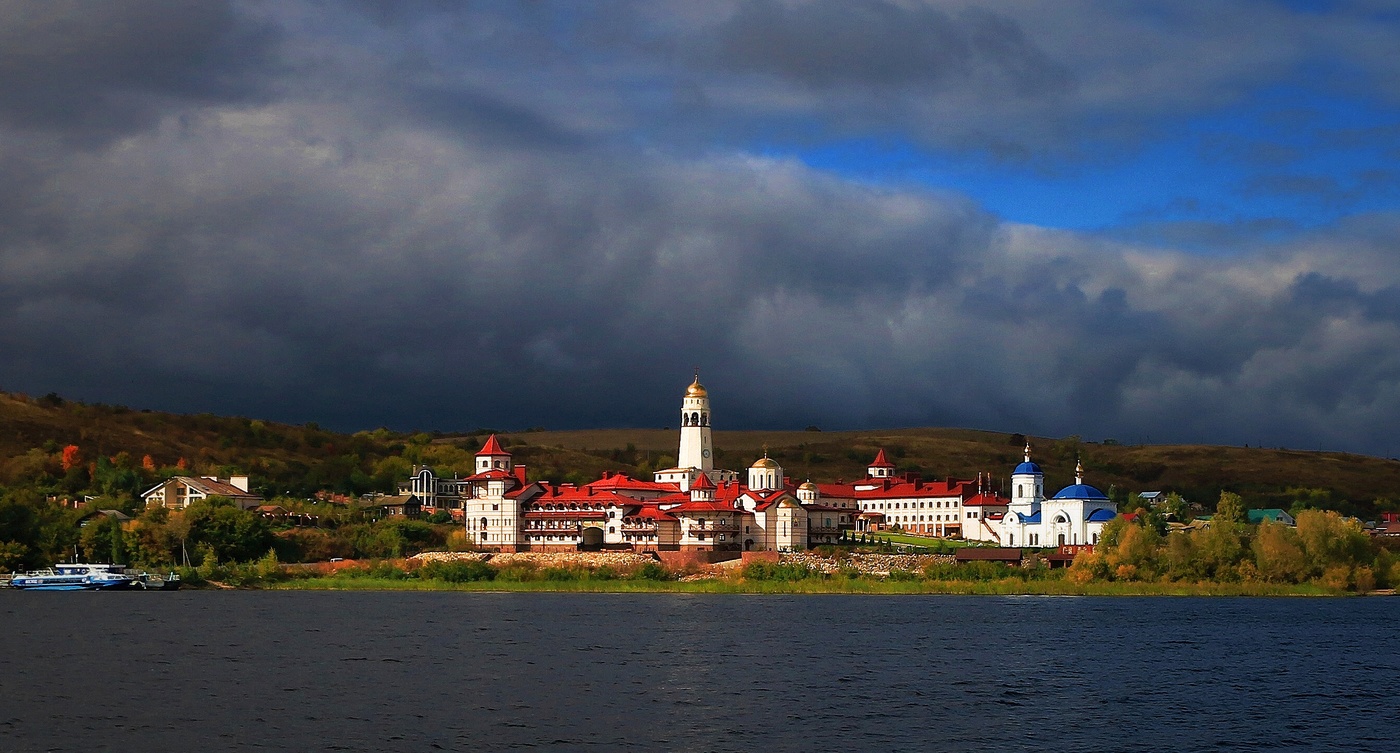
[739,585]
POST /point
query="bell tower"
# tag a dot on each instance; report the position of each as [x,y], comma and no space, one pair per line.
[696,448]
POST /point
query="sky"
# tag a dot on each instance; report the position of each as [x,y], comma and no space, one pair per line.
[1150,222]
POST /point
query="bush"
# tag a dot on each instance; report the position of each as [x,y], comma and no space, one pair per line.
[653,571]
[457,572]
[781,571]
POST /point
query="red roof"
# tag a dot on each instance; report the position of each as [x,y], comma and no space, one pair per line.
[493,447]
[881,461]
[620,481]
[984,499]
[495,474]
[890,488]
[703,482]
[568,493]
[649,512]
[703,506]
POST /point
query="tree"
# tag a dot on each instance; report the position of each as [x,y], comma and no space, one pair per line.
[233,535]
[1174,507]
[1330,540]
[1278,554]
[72,457]
[1230,509]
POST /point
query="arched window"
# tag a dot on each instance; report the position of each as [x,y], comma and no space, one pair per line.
[704,419]
[1020,490]
[685,419]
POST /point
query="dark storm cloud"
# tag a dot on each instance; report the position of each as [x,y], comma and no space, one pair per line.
[93,70]
[867,42]
[389,217]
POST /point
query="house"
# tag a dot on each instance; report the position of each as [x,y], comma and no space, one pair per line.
[178,492]
[116,515]
[1273,515]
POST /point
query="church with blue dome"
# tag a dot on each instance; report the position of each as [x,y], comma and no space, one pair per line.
[1075,515]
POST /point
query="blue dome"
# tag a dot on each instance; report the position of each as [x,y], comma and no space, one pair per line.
[1027,467]
[1102,516]
[1080,491]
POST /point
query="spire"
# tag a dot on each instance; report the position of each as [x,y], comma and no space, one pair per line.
[493,447]
[702,482]
[1078,471]
[881,461]
[1028,451]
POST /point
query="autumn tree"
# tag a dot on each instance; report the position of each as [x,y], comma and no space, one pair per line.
[1278,553]
[72,456]
[1230,509]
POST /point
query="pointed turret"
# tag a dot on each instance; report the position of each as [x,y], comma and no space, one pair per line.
[881,467]
[702,489]
[493,456]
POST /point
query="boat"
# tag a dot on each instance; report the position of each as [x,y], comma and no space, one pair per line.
[147,582]
[76,576]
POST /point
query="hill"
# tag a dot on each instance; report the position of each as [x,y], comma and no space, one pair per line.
[302,459]
[1265,477]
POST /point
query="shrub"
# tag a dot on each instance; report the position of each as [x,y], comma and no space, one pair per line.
[653,571]
[781,571]
[457,572]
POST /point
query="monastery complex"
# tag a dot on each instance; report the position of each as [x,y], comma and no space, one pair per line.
[697,507]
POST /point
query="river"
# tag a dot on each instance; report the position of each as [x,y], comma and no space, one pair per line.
[400,671]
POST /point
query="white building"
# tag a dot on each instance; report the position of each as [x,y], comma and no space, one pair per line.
[693,506]
[178,492]
[1075,515]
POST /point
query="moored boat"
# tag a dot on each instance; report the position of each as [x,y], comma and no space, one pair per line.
[75,576]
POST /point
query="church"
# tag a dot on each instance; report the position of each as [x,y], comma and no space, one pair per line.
[1075,515]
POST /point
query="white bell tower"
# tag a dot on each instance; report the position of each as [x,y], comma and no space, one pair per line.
[697,450]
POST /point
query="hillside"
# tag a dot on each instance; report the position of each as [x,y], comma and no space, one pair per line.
[1265,477]
[280,457]
[301,459]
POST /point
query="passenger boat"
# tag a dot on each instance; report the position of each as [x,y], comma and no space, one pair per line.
[76,576]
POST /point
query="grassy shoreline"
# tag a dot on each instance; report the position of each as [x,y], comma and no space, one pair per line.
[1005,587]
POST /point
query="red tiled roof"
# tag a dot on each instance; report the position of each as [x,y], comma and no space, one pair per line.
[493,447]
[495,474]
[570,494]
[648,512]
[615,481]
[980,500]
[703,482]
[889,488]
[881,461]
[703,506]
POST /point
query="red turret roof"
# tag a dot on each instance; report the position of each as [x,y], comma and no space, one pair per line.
[703,482]
[493,447]
[881,461]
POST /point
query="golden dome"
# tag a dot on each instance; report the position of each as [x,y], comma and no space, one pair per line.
[696,389]
[765,462]
[807,487]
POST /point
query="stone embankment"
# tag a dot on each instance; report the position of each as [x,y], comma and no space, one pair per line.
[590,560]
[868,564]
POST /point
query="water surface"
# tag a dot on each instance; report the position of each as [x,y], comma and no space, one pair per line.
[308,671]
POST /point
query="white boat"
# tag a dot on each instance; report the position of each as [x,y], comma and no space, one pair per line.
[75,576]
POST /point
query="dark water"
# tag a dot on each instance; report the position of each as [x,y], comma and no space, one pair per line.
[202,671]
